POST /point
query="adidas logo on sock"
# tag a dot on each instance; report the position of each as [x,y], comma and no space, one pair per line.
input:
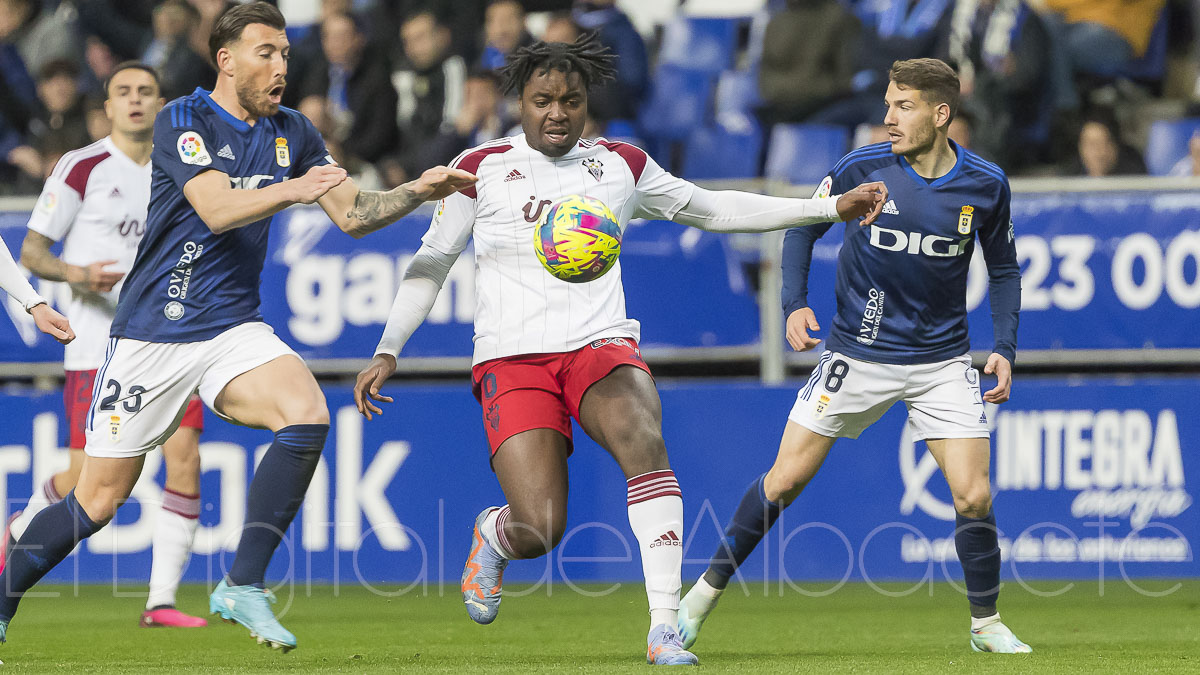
[226,153]
[513,175]
[668,539]
[890,208]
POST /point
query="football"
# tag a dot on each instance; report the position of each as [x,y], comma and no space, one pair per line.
[579,240]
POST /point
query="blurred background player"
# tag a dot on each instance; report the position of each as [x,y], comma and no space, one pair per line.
[900,334]
[188,318]
[547,350]
[95,203]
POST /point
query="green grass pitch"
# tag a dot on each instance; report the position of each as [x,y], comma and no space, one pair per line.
[855,629]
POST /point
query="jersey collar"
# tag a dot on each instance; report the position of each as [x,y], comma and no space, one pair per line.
[221,112]
[949,176]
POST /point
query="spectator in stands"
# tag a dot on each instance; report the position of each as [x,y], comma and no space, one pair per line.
[430,88]
[503,31]
[306,51]
[622,97]
[892,31]
[1101,151]
[179,67]
[349,95]
[124,26]
[1189,165]
[39,36]
[1000,49]
[464,19]
[808,59]
[61,122]
[1095,37]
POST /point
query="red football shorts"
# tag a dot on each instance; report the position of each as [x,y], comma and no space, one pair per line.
[77,400]
[543,391]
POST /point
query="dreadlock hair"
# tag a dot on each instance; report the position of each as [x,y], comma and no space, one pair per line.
[586,56]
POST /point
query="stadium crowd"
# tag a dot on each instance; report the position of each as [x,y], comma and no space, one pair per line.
[1051,87]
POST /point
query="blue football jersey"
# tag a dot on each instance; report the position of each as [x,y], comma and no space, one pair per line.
[902,282]
[188,284]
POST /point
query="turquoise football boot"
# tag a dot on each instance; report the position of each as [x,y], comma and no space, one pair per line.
[251,607]
[997,639]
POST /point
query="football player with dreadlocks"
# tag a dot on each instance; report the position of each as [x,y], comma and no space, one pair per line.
[547,350]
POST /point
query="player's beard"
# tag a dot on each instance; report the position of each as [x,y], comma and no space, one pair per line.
[255,101]
[922,141]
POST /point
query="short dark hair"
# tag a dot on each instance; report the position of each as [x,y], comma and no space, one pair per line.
[229,26]
[586,56]
[131,65]
[58,68]
[937,81]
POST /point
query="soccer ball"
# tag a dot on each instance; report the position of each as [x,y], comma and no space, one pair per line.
[579,240]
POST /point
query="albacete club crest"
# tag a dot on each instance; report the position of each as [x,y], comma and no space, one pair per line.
[964,219]
[594,167]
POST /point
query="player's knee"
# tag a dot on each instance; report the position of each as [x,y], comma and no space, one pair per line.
[783,486]
[974,502]
[535,536]
[639,447]
[313,410]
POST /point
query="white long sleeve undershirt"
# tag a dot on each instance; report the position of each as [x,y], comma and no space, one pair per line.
[13,281]
[721,211]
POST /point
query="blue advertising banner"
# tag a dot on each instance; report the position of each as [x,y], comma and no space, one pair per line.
[1099,271]
[328,295]
[1091,479]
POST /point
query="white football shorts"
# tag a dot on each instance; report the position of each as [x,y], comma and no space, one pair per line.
[844,396]
[142,389]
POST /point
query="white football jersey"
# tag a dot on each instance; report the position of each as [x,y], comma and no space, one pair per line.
[520,307]
[95,204]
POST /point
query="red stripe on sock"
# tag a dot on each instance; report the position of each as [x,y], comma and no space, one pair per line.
[50,492]
[649,476]
[181,494]
[186,506]
[653,486]
[664,493]
[189,516]
[501,522]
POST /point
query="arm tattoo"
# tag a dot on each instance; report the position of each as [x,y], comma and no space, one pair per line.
[373,210]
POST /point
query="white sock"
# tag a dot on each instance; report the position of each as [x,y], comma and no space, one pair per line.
[656,517]
[706,590]
[976,624]
[492,529]
[40,499]
[173,534]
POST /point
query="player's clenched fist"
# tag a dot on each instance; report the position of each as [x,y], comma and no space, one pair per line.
[369,381]
[316,182]
[1000,367]
[799,323]
[440,182]
[52,323]
[865,201]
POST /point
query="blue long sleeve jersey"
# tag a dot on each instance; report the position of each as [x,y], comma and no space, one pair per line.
[901,283]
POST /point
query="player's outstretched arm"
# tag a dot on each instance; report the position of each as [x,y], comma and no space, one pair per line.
[52,323]
[224,208]
[37,258]
[360,212]
[734,211]
[13,282]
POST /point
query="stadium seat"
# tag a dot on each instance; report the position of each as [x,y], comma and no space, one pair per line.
[700,43]
[737,93]
[721,152]
[1168,143]
[678,103]
[804,153]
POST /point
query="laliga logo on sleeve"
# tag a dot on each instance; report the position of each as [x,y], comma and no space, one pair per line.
[824,188]
[191,149]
